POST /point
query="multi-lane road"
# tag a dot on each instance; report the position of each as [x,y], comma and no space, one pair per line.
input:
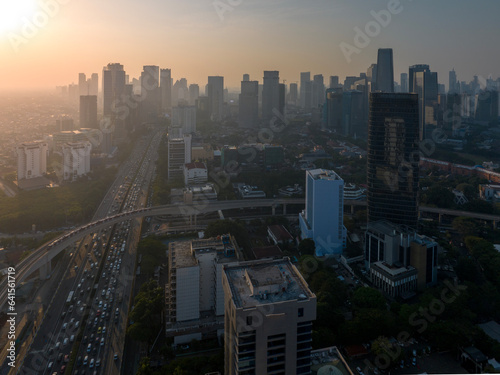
[89,305]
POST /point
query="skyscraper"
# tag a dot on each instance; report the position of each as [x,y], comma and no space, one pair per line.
[305,90]
[248,104]
[404,82]
[184,117]
[268,315]
[215,93]
[88,111]
[393,158]
[150,92]
[83,86]
[94,84]
[76,159]
[318,91]
[323,218]
[385,70]
[194,93]
[166,90]
[333,110]
[424,83]
[334,82]
[293,94]
[452,83]
[113,86]
[270,95]
[179,153]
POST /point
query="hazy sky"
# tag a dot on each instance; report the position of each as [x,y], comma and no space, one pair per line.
[198,38]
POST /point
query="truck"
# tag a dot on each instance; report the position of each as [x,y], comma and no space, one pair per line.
[70,297]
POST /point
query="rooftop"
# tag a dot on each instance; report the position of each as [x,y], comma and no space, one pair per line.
[392,270]
[388,228]
[267,252]
[280,232]
[182,252]
[324,174]
[195,165]
[261,282]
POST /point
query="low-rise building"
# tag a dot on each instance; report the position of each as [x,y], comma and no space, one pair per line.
[394,280]
[279,235]
[195,173]
[194,293]
[489,192]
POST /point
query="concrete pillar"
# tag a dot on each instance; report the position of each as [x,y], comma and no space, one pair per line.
[352,209]
[284,209]
[195,217]
[45,270]
[494,224]
[440,218]
[274,209]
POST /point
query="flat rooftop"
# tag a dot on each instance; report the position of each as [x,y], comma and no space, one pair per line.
[388,228]
[263,282]
[324,174]
[183,257]
[392,270]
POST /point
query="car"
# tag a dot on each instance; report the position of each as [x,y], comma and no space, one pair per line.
[91,364]
[117,311]
[115,357]
[98,362]
[85,339]
[72,338]
[98,313]
[72,321]
[86,360]
[49,366]
[66,358]
[59,357]
[100,304]
[105,307]
[79,361]
[102,341]
[103,329]
[89,348]
[65,341]
[99,330]
[58,345]
[70,310]
[64,326]
[77,324]
[63,367]
[414,361]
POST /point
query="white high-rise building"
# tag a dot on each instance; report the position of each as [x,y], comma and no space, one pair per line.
[179,154]
[323,218]
[76,159]
[31,159]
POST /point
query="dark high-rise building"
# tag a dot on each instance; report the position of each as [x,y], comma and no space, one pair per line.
[305,90]
[334,82]
[113,86]
[150,92]
[425,83]
[385,70]
[318,91]
[88,111]
[270,95]
[393,158]
[452,83]
[249,104]
[215,93]
[486,106]
[333,110]
[404,82]
[293,95]
[452,115]
[166,90]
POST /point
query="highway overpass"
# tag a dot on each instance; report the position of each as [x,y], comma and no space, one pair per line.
[41,258]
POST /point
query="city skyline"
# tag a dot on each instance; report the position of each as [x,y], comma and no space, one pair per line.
[204,39]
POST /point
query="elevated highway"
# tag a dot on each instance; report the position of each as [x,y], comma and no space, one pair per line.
[41,258]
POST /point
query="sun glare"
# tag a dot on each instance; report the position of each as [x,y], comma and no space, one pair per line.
[13,13]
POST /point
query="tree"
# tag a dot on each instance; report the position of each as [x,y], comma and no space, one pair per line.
[466,226]
[439,196]
[367,297]
[307,246]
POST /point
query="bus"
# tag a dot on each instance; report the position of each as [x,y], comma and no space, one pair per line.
[70,297]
